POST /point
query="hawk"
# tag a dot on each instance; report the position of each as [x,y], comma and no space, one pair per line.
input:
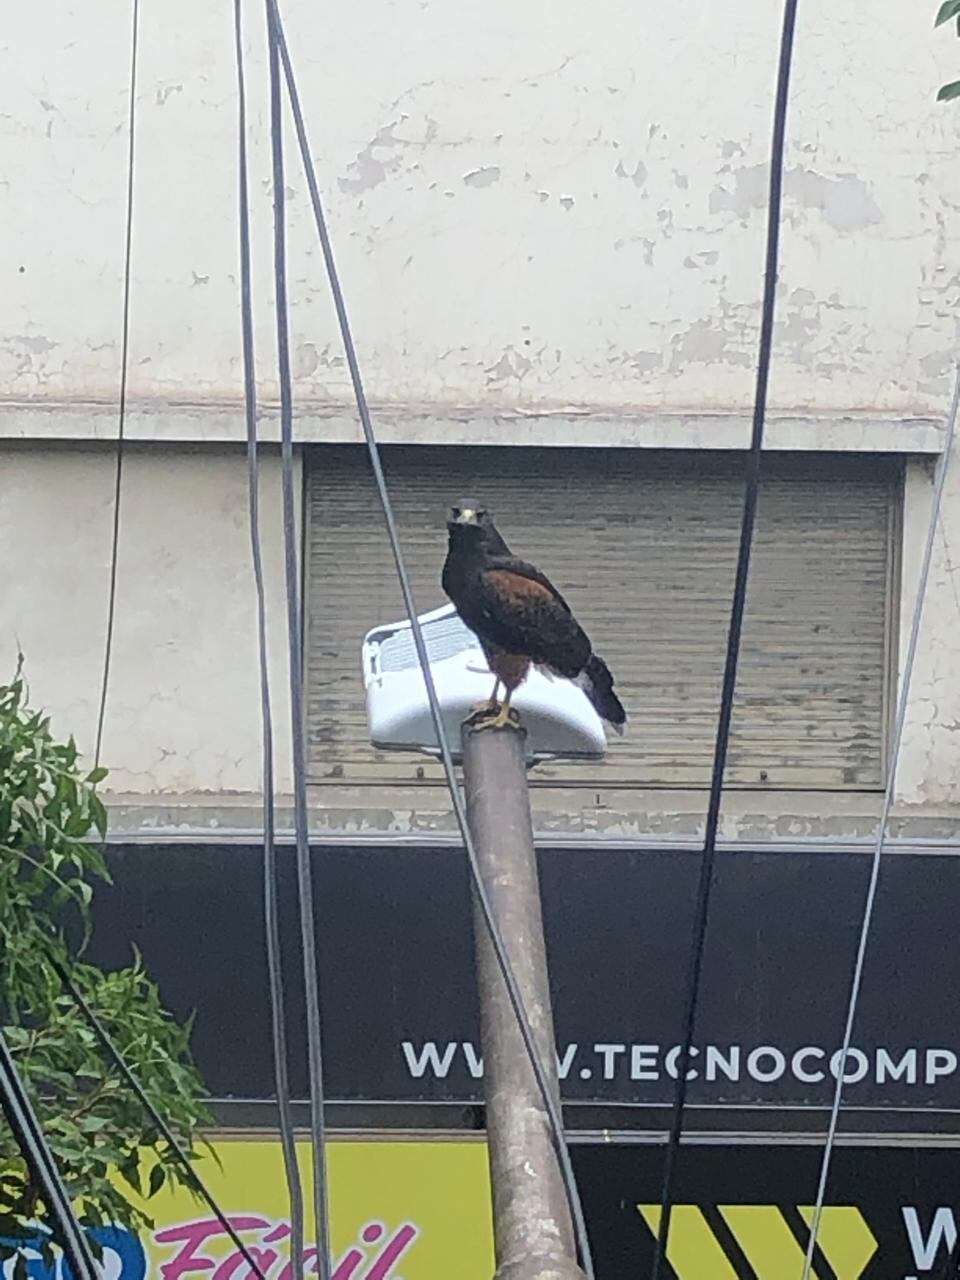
[519,617]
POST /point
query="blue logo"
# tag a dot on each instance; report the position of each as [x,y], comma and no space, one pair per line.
[123,1257]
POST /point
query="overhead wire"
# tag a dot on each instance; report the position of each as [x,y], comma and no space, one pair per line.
[751,497]
[124,365]
[308,940]
[888,796]
[76,1246]
[551,1106]
[44,1173]
[271,913]
[75,1251]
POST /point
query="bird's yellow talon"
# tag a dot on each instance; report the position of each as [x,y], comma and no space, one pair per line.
[483,711]
[504,718]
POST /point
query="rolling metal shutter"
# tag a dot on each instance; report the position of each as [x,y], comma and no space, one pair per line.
[643,545]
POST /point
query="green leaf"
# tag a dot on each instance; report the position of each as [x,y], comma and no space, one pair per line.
[158,1176]
[99,815]
[949,92]
[949,9]
[93,1124]
[98,774]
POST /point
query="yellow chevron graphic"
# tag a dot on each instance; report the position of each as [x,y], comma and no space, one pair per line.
[767,1242]
[765,1239]
[693,1250]
[847,1242]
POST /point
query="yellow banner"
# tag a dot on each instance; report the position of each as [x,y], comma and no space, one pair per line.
[416,1210]
[421,1211]
[398,1211]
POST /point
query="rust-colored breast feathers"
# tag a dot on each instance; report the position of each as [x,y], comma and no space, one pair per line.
[517,590]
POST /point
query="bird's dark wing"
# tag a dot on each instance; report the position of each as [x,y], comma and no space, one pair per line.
[521,569]
[523,612]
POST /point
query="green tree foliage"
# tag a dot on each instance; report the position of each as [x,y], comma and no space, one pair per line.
[51,827]
[949,11]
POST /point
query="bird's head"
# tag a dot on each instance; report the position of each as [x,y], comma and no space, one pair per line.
[468,514]
[472,529]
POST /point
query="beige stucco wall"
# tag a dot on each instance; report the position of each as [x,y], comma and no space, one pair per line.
[183,709]
[550,227]
[930,761]
[534,205]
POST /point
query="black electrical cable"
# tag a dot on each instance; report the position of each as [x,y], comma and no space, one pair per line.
[120,1062]
[308,940]
[69,985]
[39,1159]
[270,906]
[551,1106]
[751,495]
[124,362]
[272,930]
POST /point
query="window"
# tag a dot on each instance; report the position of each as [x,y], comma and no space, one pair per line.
[643,545]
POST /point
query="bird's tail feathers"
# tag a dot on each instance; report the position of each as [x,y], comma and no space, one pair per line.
[597,683]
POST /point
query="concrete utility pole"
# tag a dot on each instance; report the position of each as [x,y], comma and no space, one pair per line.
[531,1218]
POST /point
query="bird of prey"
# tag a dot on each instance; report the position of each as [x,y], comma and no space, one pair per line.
[519,617]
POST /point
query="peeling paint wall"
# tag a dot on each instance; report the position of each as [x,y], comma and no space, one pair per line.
[529,209]
[540,217]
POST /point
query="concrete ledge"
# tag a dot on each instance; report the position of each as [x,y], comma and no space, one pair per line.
[222,423]
[422,816]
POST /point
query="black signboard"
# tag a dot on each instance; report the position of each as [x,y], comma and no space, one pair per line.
[743,1213]
[399,1004]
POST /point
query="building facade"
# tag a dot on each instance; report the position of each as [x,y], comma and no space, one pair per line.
[551,237]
